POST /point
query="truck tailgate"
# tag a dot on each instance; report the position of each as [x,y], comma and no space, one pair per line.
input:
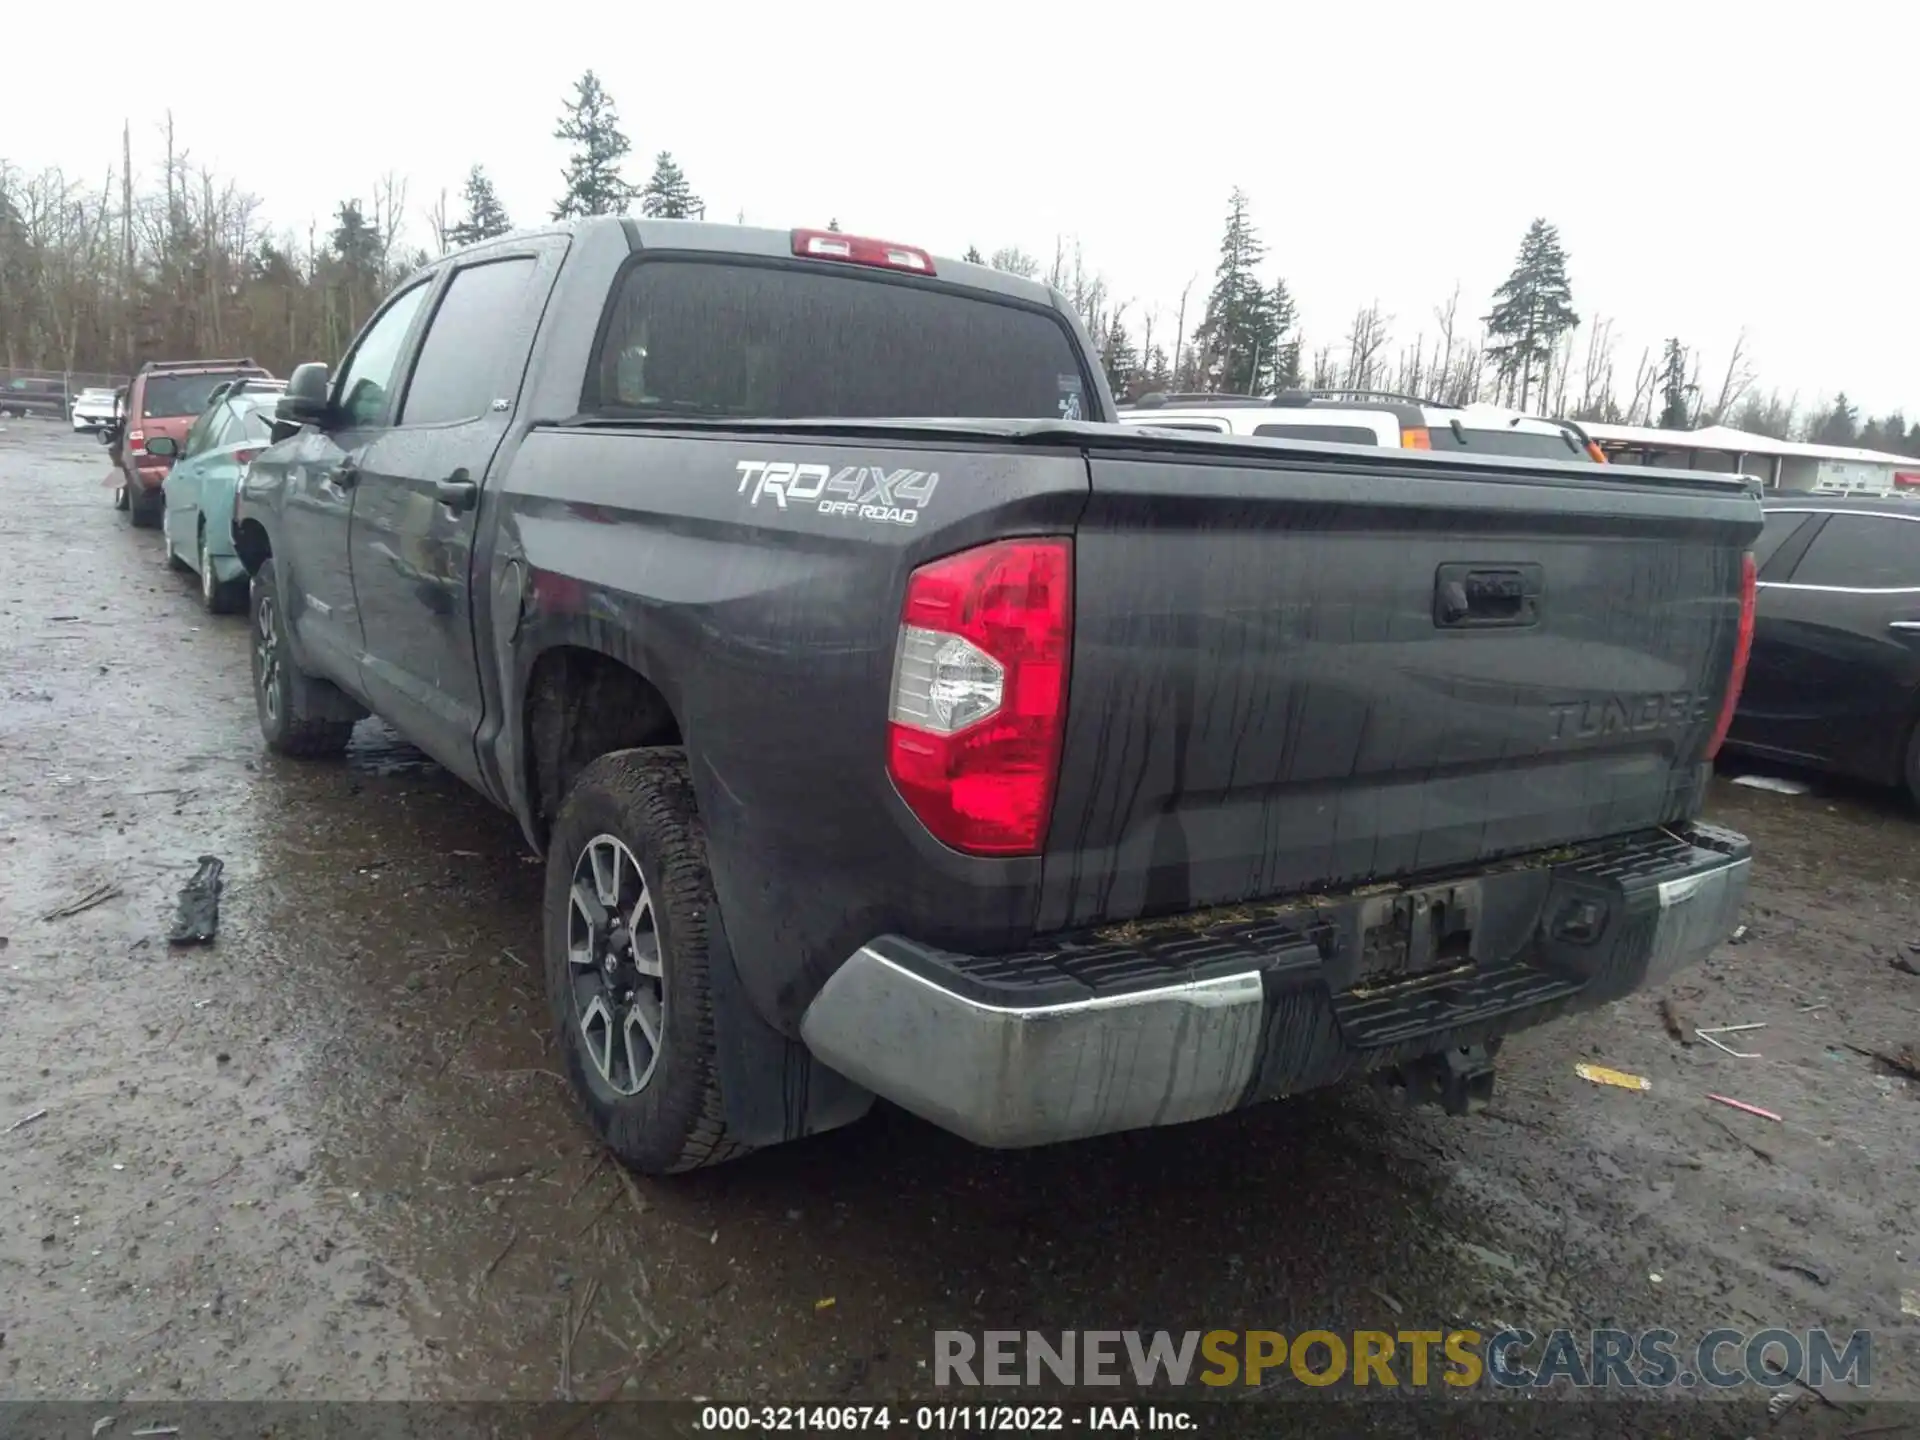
[1294,673]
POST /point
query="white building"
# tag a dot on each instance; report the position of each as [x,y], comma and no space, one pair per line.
[1779,464]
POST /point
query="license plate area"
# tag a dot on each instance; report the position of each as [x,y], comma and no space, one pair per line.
[1416,933]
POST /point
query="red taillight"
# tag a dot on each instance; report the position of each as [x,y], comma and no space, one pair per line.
[980,693]
[137,441]
[858,250]
[1416,438]
[1742,647]
[245,457]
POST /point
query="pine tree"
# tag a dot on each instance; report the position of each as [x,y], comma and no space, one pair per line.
[1532,309]
[486,216]
[1675,408]
[667,195]
[1246,340]
[1839,426]
[973,256]
[594,183]
[1118,357]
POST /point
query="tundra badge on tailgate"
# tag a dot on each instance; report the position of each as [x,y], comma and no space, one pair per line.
[862,492]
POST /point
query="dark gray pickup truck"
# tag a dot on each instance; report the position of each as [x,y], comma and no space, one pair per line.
[1043,776]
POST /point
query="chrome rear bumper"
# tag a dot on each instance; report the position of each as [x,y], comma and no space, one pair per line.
[896,1018]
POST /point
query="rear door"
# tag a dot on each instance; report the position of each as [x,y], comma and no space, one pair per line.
[1835,675]
[1308,672]
[418,499]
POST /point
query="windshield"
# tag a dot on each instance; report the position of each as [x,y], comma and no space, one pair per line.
[749,341]
[175,395]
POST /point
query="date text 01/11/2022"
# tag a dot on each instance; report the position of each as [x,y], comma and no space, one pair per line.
[943,1419]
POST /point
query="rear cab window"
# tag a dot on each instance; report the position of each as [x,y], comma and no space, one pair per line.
[734,339]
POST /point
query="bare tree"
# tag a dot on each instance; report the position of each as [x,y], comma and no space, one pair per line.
[1366,338]
[1734,385]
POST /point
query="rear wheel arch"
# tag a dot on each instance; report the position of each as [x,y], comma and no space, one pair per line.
[577,705]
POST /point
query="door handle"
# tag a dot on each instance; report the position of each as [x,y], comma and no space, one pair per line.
[457,492]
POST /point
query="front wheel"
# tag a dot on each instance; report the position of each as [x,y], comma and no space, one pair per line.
[287,698]
[221,597]
[628,900]
[1913,763]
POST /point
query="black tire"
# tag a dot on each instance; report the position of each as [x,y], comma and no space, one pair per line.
[120,497]
[674,1119]
[145,507]
[288,701]
[220,597]
[1913,763]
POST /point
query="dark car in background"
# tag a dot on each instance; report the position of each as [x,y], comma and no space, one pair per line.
[165,398]
[32,395]
[1834,679]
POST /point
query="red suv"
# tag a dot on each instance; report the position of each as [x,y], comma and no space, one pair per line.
[165,398]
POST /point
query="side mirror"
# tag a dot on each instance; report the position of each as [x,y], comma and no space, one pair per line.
[305,402]
[164,446]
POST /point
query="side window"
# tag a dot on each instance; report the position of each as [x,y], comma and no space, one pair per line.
[1781,526]
[256,423]
[201,436]
[1863,552]
[375,363]
[1339,434]
[457,374]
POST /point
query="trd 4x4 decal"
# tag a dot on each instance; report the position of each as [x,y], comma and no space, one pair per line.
[858,492]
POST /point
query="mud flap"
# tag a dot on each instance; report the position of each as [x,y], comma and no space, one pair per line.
[773,1088]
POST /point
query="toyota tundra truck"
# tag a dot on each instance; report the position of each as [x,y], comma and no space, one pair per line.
[893,723]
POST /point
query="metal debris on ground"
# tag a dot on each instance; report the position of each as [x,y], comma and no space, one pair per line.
[197,915]
[1773,783]
[825,1302]
[99,895]
[22,1124]
[1742,1105]
[1709,1034]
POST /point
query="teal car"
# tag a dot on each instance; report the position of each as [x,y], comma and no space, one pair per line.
[199,489]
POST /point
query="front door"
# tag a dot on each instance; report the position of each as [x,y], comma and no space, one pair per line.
[418,501]
[316,586]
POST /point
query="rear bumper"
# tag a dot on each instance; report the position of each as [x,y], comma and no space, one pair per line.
[1171,1021]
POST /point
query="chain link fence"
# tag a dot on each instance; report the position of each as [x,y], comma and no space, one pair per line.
[49,392]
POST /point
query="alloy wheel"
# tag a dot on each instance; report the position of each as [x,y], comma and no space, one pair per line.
[266,653]
[613,947]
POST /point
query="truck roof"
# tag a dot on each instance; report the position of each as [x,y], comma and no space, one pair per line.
[716,238]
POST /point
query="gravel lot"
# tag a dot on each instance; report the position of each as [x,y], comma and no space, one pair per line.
[329,1156]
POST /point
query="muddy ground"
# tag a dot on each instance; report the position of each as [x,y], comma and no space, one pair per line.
[330,1155]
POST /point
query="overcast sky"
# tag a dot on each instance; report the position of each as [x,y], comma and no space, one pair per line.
[1711,167]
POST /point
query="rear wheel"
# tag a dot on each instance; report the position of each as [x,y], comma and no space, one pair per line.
[289,701]
[627,905]
[145,507]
